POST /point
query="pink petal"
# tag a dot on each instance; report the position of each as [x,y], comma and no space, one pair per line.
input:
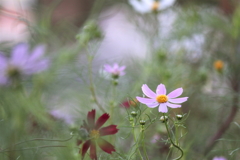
[3,61]
[152,105]
[148,92]
[145,100]
[178,100]
[107,68]
[122,68]
[3,80]
[161,89]
[175,93]
[115,66]
[20,54]
[105,146]
[163,108]
[37,53]
[173,105]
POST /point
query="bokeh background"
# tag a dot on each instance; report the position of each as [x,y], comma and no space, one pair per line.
[194,44]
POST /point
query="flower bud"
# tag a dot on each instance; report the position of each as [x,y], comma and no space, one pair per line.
[164,119]
[83,133]
[142,122]
[179,117]
[89,32]
[133,114]
[115,82]
[115,76]
[130,119]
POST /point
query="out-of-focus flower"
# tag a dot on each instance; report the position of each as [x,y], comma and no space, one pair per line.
[146,6]
[218,65]
[58,114]
[22,63]
[155,138]
[14,20]
[129,103]
[161,99]
[115,70]
[219,158]
[95,134]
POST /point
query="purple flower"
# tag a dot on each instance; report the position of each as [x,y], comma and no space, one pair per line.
[115,70]
[219,158]
[61,115]
[155,138]
[161,99]
[22,62]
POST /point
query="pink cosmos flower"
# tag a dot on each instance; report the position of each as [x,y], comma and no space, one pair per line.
[155,138]
[115,70]
[219,158]
[161,99]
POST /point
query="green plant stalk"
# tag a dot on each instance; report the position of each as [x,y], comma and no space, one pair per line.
[92,89]
[136,142]
[143,143]
[113,101]
[176,133]
[176,146]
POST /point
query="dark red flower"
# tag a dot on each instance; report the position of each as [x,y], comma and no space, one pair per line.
[129,103]
[96,131]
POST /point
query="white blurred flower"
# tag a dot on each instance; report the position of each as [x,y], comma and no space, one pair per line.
[15,18]
[62,115]
[146,6]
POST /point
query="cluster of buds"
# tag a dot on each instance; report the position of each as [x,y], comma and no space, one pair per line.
[89,32]
[164,119]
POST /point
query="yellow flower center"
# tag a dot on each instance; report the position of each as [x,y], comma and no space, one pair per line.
[94,134]
[162,98]
[155,6]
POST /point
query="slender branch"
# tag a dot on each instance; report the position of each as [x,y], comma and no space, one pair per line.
[92,89]
[46,146]
[143,143]
[43,139]
[136,140]
[37,139]
[176,146]
[225,125]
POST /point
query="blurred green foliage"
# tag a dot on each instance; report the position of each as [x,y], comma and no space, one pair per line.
[29,131]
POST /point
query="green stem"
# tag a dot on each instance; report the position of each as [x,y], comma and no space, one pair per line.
[47,146]
[136,141]
[170,151]
[143,143]
[173,142]
[92,89]
[176,133]
[112,104]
